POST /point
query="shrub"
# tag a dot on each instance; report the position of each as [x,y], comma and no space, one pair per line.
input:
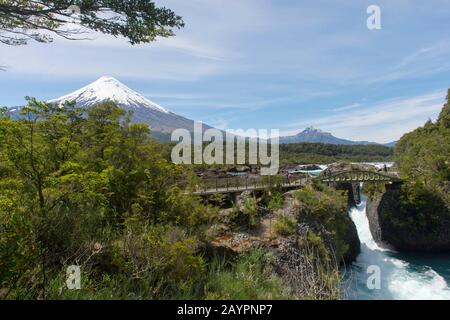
[275,201]
[421,210]
[317,277]
[329,208]
[246,215]
[285,225]
[161,256]
[247,279]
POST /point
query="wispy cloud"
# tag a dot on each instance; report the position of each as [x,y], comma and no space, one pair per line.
[349,107]
[382,122]
[255,63]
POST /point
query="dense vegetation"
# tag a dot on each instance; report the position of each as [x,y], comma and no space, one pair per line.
[307,153]
[93,191]
[328,207]
[417,216]
[89,188]
[423,155]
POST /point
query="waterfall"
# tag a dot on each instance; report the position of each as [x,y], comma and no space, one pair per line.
[400,279]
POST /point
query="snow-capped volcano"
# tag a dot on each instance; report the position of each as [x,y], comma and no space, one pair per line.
[162,122]
[108,89]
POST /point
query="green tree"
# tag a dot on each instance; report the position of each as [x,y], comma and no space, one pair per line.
[76,187]
[423,154]
[140,21]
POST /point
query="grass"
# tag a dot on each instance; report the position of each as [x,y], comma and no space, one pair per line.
[248,279]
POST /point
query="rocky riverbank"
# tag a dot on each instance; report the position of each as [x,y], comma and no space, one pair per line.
[299,235]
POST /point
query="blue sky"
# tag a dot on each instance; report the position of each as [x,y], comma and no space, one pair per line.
[279,64]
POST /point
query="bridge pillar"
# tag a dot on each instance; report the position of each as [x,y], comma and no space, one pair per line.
[356,192]
[234,197]
[352,193]
[394,185]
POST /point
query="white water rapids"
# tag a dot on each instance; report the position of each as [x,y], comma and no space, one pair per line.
[400,279]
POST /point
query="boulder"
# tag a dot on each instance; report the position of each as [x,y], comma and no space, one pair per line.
[230,245]
[241,198]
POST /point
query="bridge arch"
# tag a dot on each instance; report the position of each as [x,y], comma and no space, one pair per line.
[354,176]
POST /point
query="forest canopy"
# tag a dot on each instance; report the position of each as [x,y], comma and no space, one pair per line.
[92,190]
[307,153]
[423,155]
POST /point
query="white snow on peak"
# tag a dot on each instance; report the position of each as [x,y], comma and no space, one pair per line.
[109,89]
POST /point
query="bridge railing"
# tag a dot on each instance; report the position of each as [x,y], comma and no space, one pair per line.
[247,183]
[231,184]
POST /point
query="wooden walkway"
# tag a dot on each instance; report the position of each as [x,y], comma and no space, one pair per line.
[257,186]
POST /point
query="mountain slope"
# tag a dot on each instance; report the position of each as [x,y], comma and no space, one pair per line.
[144,111]
[390,144]
[161,121]
[108,89]
[313,135]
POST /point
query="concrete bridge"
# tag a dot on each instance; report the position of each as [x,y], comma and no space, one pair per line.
[238,185]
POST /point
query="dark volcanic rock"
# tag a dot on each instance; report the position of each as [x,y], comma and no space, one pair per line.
[351,238]
[403,238]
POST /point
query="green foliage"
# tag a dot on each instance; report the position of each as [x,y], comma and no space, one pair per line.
[18,248]
[316,245]
[71,182]
[273,183]
[307,153]
[246,215]
[248,279]
[329,208]
[423,154]
[421,205]
[373,190]
[420,210]
[322,279]
[160,255]
[272,196]
[285,225]
[275,201]
[140,21]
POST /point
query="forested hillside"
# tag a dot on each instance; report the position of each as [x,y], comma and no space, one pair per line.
[306,153]
[416,217]
[423,155]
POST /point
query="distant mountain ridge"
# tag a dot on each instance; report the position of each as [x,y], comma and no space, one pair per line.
[313,135]
[390,144]
[161,121]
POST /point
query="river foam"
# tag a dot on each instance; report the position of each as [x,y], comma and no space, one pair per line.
[400,279]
